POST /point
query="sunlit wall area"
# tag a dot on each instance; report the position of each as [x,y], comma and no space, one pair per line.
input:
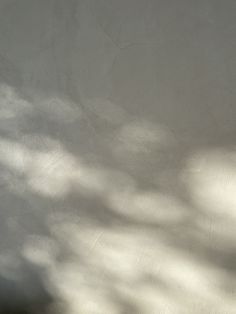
[117,157]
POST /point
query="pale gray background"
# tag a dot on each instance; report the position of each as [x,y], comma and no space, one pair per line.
[118,154]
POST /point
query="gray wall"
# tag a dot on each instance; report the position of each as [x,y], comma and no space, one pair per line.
[118,156]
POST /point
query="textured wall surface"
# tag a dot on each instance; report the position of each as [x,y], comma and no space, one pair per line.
[118,156]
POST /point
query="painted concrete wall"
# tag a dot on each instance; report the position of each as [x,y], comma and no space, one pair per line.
[118,156]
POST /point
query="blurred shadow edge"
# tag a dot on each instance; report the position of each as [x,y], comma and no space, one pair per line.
[20,297]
